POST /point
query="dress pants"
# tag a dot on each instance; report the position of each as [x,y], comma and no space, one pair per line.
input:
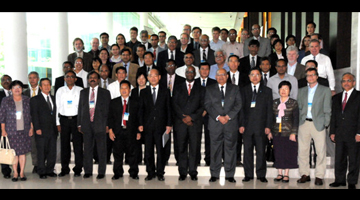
[259,141]
[69,133]
[46,152]
[307,131]
[154,137]
[125,143]
[223,145]
[90,140]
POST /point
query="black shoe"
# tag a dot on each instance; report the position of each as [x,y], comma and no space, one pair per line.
[100,176]
[23,178]
[87,175]
[115,177]
[263,179]
[182,177]
[43,176]
[135,177]
[246,179]
[213,179]
[7,176]
[336,184]
[194,178]
[15,179]
[231,179]
[63,174]
[52,174]
[161,177]
[351,186]
[78,174]
[149,177]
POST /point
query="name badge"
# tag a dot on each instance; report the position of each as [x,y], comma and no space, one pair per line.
[309,107]
[278,120]
[18,115]
[222,103]
[126,116]
[253,104]
[92,104]
[69,103]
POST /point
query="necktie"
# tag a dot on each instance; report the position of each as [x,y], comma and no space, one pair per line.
[344,102]
[265,79]
[104,84]
[233,79]
[189,89]
[254,94]
[154,54]
[92,110]
[172,55]
[252,62]
[204,55]
[170,84]
[203,83]
[124,110]
[222,93]
[48,103]
[314,58]
[33,92]
[154,95]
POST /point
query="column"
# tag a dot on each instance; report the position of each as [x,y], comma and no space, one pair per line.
[15,43]
[59,43]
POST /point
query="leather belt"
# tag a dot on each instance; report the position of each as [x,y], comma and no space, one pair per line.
[69,117]
[308,119]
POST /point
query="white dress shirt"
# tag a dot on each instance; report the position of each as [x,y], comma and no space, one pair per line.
[83,74]
[67,101]
[236,77]
[182,70]
[114,89]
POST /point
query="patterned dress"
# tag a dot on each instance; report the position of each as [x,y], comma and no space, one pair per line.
[20,141]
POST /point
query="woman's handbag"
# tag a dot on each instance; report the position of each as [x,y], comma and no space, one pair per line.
[7,155]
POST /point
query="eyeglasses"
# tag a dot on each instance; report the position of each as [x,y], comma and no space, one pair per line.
[255,75]
[344,81]
[67,76]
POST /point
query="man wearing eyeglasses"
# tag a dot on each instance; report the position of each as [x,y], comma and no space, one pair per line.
[67,101]
[265,47]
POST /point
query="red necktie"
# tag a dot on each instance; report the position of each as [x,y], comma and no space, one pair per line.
[344,102]
[124,109]
[92,110]
[189,90]
[154,54]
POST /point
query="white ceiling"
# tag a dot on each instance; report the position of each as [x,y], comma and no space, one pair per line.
[174,21]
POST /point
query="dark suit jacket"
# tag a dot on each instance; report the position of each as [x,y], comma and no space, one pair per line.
[87,58]
[345,125]
[322,81]
[178,80]
[243,79]
[245,66]
[255,120]
[209,81]
[192,105]
[59,82]
[158,116]
[163,57]
[115,115]
[210,57]
[232,106]
[28,92]
[42,117]
[101,110]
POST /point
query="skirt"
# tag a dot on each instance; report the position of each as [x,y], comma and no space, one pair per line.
[285,153]
[20,142]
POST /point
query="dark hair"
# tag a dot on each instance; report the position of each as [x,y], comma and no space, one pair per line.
[44,79]
[284,83]
[313,61]
[312,69]
[80,41]
[91,73]
[204,64]
[70,71]
[120,34]
[254,42]
[104,33]
[122,68]
[16,82]
[134,29]
[255,68]
[236,56]
[125,82]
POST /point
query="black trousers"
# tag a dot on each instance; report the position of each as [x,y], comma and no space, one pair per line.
[90,140]
[46,152]
[69,133]
[124,142]
[154,137]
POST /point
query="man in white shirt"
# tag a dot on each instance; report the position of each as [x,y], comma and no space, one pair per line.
[232,47]
[80,72]
[114,87]
[325,68]
[67,101]
[215,43]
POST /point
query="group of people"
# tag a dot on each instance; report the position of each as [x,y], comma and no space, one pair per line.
[242,94]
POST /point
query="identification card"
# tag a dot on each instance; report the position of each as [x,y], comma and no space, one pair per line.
[253,104]
[309,107]
[92,104]
[69,103]
[222,103]
[278,120]
[18,115]
[126,116]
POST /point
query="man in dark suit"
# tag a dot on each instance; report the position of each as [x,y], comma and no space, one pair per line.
[236,77]
[123,130]
[60,81]
[92,123]
[43,111]
[345,132]
[204,81]
[312,64]
[170,79]
[188,106]
[204,53]
[5,83]
[223,103]
[252,60]
[256,122]
[154,119]
[170,53]
[78,45]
